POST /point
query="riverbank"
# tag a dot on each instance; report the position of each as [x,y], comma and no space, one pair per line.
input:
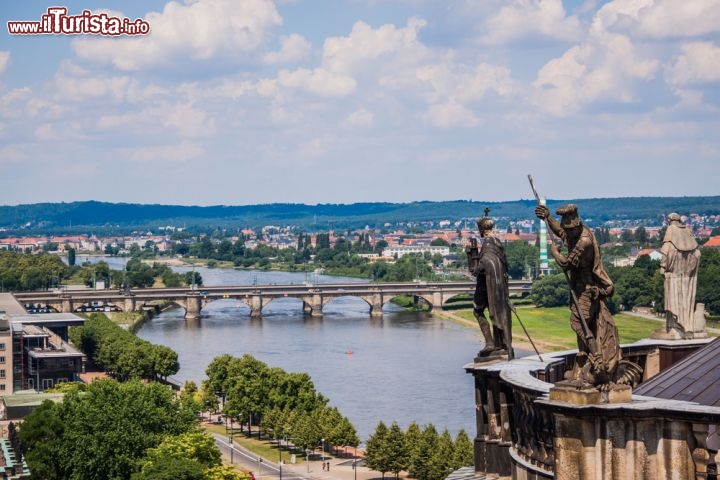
[550,327]
[133,321]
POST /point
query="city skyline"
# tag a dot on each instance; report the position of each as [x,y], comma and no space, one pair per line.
[243,103]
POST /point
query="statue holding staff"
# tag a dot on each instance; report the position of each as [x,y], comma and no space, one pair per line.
[599,350]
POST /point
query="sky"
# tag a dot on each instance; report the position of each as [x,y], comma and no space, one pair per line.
[240,102]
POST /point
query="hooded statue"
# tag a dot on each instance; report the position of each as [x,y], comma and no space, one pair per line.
[679,266]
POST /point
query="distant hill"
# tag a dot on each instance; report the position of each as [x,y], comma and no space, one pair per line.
[73,216]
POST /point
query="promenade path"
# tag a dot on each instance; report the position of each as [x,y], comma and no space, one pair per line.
[340,468]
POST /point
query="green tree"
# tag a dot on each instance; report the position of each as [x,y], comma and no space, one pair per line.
[551,291]
[105,430]
[522,258]
[71,257]
[397,451]
[708,287]
[41,436]
[464,450]
[196,445]
[413,438]
[377,454]
[428,465]
[446,454]
[172,469]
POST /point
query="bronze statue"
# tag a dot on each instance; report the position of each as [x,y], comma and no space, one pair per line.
[489,266]
[679,266]
[599,350]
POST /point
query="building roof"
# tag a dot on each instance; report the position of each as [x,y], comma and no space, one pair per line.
[9,305]
[696,378]
[49,319]
[713,242]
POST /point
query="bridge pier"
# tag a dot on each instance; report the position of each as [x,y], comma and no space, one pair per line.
[437,300]
[376,305]
[316,307]
[129,305]
[193,305]
[66,305]
[256,305]
[307,308]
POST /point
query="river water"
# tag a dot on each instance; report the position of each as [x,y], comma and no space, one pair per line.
[402,367]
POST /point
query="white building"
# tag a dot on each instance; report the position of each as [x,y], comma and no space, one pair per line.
[400,250]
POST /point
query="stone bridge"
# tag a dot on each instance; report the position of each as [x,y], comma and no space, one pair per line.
[314,297]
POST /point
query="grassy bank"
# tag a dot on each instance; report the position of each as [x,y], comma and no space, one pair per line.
[263,448]
[550,327]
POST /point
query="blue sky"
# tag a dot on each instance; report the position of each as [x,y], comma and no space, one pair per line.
[339,101]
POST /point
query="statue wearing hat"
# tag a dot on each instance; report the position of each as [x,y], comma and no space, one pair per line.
[679,266]
[489,266]
[599,351]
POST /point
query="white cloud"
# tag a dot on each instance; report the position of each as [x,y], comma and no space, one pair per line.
[198,30]
[699,63]
[81,88]
[449,115]
[359,118]
[187,121]
[367,49]
[4,61]
[524,19]
[164,153]
[659,18]
[293,49]
[318,82]
[606,67]
[463,83]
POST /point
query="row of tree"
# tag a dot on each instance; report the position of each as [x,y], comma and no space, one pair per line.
[24,271]
[120,352]
[111,430]
[283,404]
[638,285]
[423,453]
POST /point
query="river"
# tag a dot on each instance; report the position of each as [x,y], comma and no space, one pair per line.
[402,367]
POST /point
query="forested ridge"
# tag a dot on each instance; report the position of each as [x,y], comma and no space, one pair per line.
[93,213]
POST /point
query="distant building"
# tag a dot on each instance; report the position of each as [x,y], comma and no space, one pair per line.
[401,250]
[6,355]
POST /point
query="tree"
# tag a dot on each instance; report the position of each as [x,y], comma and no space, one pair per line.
[464,450]
[641,235]
[397,451]
[71,257]
[551,291]
[446,454]
[521,257]
[377,455]
[413,436]
[428,466]
[41,435]
[708,287]
[439,242]
[171,468]
[105,430]
[196,445]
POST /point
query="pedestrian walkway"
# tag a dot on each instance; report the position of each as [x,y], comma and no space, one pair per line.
[340,468]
